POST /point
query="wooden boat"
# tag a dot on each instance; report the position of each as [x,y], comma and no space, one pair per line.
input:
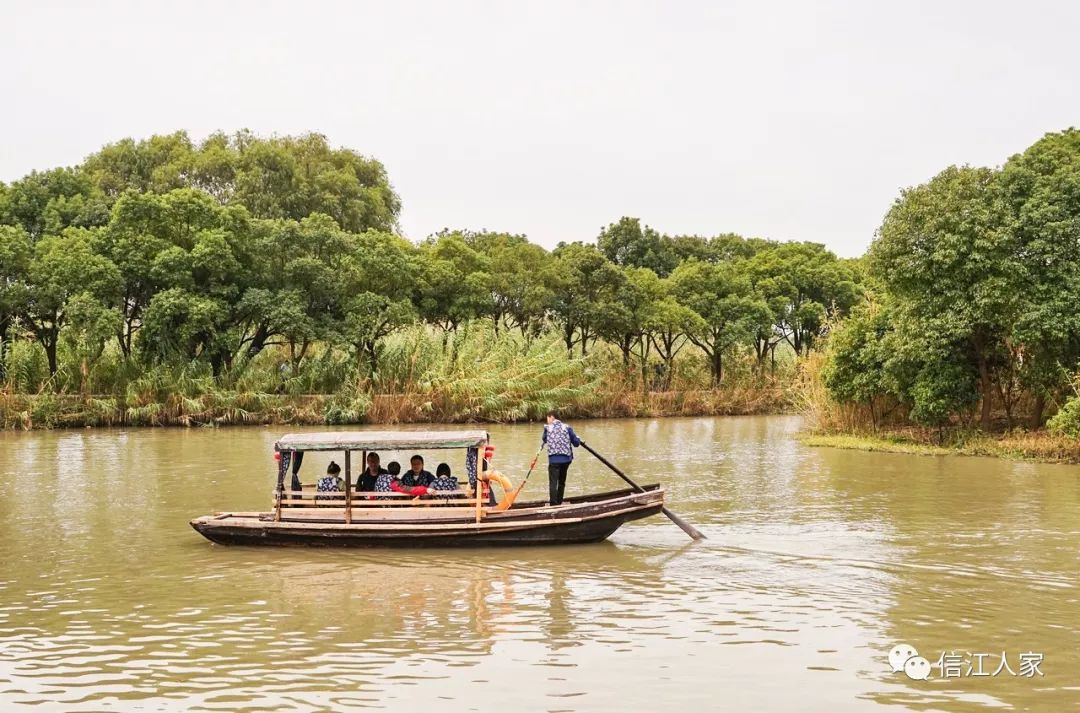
[465,517]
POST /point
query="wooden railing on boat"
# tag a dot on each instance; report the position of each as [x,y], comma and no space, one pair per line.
[312,498]
[309,503]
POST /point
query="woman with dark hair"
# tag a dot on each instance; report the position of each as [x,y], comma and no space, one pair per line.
[387,477]
[443,479]
[331,482]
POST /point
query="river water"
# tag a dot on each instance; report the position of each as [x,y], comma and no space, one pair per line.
[818,562]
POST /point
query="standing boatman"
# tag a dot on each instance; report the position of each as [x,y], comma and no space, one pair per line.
[561,441]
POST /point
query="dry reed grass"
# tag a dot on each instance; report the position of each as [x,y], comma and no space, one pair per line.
[423,376]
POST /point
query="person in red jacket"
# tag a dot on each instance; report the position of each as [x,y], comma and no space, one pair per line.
[397,487]
[390,481]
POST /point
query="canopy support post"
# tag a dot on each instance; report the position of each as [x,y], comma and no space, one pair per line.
[348,486]
[279,491]
[481,468]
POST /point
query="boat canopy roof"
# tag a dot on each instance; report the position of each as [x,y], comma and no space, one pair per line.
[379,440]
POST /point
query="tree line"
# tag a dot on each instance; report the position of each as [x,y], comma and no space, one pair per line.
[974,315]
[169,251]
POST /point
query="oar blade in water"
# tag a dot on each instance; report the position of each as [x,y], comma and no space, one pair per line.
[683,524]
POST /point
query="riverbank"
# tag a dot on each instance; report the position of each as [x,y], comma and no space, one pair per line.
[225,408]
[1040,446]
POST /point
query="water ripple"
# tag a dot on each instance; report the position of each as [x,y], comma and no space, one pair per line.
[817,562]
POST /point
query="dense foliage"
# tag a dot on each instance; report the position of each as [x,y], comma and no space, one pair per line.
[976,316]
[242,255]
[272,266]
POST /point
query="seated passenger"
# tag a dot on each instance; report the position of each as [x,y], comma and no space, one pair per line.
[443,480]
[390,483]
[398,487]
[366,481]
[407,484]
[382,483]
[331,482]
[417,476]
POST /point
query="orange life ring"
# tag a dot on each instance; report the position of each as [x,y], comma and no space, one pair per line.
[494,476]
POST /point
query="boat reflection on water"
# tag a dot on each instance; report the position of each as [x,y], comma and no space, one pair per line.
[331,631]
[442,600]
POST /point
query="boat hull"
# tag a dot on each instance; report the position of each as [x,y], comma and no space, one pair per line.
[581,520]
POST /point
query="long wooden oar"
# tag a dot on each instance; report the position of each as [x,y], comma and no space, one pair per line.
[683,524]
[511,497]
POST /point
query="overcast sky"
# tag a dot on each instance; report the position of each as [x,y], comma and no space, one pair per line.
[787,120]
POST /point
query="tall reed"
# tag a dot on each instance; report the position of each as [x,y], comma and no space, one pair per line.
[421,375]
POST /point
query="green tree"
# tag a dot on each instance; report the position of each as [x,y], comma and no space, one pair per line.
[16,252]
[62,268]
[586,285]
[805,286]
[1067,420]
[731,313]
[289,177]
[210,262]
[726,247]
[89,323]
[1041,192]
[379,279]
[296,285]
[627,244]
[942,388]
[943,256]
[521,278]
[158,164]
[858,360]
[452,284]
[46,202]
[137,234]
[624,320]
[670,325]
[181,323]
[296,176]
